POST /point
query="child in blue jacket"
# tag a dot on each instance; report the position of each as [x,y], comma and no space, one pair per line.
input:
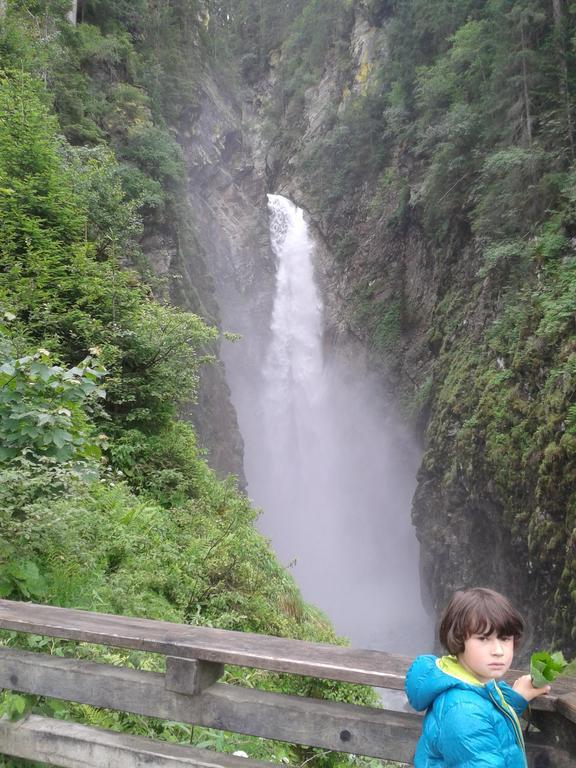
[472,718]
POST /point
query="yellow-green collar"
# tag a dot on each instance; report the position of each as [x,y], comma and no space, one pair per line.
[451,666]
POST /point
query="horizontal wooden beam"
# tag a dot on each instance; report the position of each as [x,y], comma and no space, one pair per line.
[69,745]
[312,722]
[294,719]
[244,649]
[368,667]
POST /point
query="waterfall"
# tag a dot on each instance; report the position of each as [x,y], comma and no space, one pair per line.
[330,467]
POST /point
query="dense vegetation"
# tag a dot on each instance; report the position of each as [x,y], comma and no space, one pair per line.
[450,151]
[452,146]
[106,502]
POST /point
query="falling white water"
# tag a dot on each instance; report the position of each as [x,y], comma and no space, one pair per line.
[331,469]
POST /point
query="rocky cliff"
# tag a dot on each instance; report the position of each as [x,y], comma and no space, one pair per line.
[468,321]
[467,345]
[227,199]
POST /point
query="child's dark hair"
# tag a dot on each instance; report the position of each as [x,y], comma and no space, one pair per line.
[478,611]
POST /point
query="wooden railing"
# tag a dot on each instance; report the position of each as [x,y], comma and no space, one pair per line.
[188,693]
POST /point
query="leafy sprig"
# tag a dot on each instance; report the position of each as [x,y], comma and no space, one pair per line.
[546,667]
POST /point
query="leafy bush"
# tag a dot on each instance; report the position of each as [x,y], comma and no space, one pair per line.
[127,111]
[42,405]
[509,197]
[155,151]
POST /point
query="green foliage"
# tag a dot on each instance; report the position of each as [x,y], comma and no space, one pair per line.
[314,32]
[112,223]
[43,406]
[53,9]
[66,222]
[502,255]
[352,151]
[346,246]
[252,30]
[154,150]
[13,706]
[106,503]
[128,111]
[502,408]
[34,189]
[545,667]
[21,580]
[388,326]
[95,49]
[157,357]
[48,271]
[381,319]
[509,195]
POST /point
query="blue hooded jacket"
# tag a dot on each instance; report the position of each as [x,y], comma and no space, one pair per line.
[468,724]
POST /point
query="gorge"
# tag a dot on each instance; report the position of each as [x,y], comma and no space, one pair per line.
[422,155]
[453,289]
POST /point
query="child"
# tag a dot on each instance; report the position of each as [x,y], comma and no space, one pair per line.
[472,720]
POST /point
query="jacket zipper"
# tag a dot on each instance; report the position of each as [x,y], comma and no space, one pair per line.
[513,718]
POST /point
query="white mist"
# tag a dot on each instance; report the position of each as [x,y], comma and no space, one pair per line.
[331,469]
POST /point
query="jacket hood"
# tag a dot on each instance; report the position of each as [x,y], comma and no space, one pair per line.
[429,676]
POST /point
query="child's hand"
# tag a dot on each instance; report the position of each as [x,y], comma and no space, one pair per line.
[524,687]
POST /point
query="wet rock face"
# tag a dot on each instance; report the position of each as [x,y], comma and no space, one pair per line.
[227,194]
[464,543]
[394,302]
[418,314]
[227,197]
[215,261]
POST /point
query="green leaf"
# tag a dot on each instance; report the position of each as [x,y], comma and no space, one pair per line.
[44,372]
[545,667]
[558,661]
[14,706]
[60,437]
[27,578]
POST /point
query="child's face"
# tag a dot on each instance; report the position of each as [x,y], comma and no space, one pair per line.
[487,657]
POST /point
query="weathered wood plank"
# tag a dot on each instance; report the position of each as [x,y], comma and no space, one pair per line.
[567,706]
[70,745]
[191,676]
[295,719]
[375,668]
[331,662]
[324,724]
[558,731]
[545,756]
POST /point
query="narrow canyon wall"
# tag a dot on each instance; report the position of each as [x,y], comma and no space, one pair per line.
[424,313]
[492,505]
[227,201]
